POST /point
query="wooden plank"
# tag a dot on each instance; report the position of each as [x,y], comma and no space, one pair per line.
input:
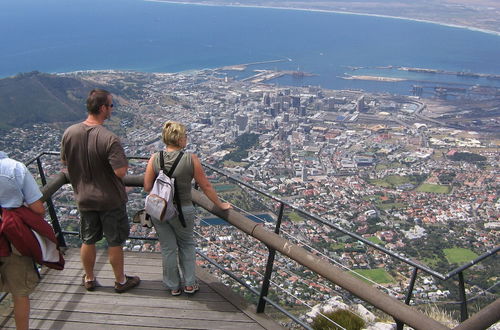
[156,321]
[60,302]
[137,291]
[133,301]
[147,282]
[165,311]
[88,321]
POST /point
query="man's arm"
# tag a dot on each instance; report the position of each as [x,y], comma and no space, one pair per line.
[121,172]
[37,207]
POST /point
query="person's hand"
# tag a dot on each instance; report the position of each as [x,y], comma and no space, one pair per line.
[225,206]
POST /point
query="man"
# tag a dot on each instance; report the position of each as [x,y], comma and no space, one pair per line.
[96,164]
[17,273]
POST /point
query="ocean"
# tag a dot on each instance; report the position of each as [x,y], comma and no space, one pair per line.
[61,36]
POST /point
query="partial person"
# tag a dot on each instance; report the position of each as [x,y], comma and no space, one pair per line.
[176,240]
[18,274]
[96,164]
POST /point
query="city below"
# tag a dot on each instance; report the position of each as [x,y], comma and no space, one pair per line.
[416,175]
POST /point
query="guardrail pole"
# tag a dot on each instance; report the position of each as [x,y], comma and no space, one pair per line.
[269,267]
[463,300]
[52,211]
[399,324]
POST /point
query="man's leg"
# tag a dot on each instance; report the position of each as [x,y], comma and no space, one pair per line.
[115,254]
[21,312]
[88,256]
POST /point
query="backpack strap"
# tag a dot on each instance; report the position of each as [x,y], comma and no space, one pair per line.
[162,163]
[176,195]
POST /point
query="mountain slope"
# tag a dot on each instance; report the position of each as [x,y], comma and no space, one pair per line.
[41,98]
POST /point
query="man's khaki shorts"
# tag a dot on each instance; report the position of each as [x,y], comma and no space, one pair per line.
[17,275]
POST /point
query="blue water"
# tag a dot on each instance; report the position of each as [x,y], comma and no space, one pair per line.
[61,36]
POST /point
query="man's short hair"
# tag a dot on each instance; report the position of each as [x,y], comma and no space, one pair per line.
[96,98]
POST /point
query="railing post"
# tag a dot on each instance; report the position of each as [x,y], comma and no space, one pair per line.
[269,267]
[463,300]
[50,205]
[399,324]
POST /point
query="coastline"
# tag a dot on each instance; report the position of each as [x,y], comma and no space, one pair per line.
[470,28]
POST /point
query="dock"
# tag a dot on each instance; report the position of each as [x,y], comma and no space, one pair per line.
[61,302]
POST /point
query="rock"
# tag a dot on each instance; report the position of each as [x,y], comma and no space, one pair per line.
[364,313]
[381,326]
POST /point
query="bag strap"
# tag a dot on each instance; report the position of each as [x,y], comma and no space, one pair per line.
[176,195]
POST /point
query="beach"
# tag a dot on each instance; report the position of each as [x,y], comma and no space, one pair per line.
[471,27]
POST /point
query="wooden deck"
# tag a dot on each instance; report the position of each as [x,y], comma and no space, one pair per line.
[60,302]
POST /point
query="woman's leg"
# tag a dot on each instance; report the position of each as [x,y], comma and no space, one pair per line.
[187,245]
[168,244]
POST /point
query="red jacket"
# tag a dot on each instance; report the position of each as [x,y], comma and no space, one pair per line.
[31,235]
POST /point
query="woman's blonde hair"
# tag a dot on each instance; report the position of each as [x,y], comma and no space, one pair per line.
[173,132]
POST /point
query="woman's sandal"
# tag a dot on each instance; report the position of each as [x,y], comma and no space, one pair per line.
[176,292]
[191,288]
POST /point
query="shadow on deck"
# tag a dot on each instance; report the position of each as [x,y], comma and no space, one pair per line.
[60,302]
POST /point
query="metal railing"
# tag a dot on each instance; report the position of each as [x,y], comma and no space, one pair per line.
[416,266]
[390,305]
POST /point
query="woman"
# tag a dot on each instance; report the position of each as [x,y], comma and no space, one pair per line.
[173,236]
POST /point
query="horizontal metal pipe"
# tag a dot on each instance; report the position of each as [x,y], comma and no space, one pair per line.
[382,301]
[331,225]
[53,185]
[482,319]
[134,180]
[473,262]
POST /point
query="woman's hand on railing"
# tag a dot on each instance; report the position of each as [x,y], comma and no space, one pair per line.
[225,206]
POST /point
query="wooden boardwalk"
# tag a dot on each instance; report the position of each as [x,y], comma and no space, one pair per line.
[60,302]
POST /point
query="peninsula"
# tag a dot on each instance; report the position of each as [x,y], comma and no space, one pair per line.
[479,15]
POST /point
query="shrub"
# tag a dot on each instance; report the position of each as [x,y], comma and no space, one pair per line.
[342,317]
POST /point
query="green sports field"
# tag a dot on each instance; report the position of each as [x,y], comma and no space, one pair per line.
[378,275]
[459,255]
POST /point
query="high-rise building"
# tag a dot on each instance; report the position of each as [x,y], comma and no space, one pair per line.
[241,122]
[295,101]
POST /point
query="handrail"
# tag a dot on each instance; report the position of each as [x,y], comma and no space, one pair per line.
[382,301]
[137,181]
[357,237]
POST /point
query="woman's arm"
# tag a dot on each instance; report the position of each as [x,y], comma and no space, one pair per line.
[149,175]
[205,185]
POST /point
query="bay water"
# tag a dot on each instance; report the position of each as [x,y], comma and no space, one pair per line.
[61,36]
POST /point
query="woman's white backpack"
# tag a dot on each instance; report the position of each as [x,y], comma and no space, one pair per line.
[159,203]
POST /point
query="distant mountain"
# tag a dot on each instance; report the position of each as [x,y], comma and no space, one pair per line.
[36,97]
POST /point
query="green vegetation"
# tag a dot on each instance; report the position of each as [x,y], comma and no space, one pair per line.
[225,187]
[50,99]
[342,317]
[337,247]
[468,157]
[243,143]
[434,188]
[432,262]
[376,240]
[295,217]
[378,275]
[459,255]
[446,178]
[393,181]
[389,206]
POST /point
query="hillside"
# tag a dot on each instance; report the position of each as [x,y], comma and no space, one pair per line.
[41,98]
